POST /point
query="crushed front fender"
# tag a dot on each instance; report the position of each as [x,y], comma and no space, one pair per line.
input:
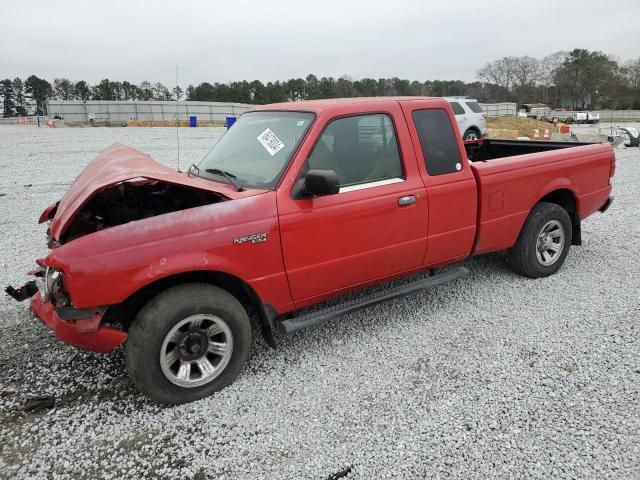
[86,333]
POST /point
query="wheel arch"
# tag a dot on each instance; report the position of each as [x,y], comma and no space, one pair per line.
[473,127]
[124,313]
[565,198]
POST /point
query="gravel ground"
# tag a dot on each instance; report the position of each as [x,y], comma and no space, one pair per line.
[494,376]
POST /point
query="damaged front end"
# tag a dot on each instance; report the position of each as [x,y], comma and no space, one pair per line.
[121,186]
[50,302]
[133,200]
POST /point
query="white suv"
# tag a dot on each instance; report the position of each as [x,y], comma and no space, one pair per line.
[472,121]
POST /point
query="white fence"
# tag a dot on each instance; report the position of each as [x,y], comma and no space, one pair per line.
[605,115]
[117,112]
[503,109]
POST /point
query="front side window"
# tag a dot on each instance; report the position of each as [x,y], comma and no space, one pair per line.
[438,141]
[256,150]
[360,149]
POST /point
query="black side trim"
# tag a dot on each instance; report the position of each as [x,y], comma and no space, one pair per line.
[320,316]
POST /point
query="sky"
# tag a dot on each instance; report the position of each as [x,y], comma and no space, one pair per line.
[222,41]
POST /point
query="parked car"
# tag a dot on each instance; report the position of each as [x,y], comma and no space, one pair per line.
[472,121]
[537,111]
[575,117]
[297,204]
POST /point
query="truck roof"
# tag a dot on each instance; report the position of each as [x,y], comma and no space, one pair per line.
[337,103]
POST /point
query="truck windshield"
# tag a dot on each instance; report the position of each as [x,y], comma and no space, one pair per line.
[257,149]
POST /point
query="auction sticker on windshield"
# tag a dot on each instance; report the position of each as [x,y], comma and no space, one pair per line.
[270,142]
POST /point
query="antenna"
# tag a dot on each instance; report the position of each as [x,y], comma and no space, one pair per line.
[177,121]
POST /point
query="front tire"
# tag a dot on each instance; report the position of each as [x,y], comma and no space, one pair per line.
[544,242]
[189,341]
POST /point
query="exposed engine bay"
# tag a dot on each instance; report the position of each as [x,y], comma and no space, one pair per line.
[133,200]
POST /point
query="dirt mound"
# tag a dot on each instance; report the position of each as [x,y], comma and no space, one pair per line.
[514,127]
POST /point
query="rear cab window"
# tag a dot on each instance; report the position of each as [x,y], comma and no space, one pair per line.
[440,149]
[362,150]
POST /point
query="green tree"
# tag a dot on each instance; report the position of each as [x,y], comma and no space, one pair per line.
[258,92]
[312,87]
[327,88]
[205,92]
[145,91]
[39,90]
[161,92]
[296,89]
[82,91]
[118,92]
[63,88]
[177,93]
[191,93]
[8,97]
[367,87]
[18,91]
[344,87]
[275,92]
[129,91]
[104,90]
[583,77]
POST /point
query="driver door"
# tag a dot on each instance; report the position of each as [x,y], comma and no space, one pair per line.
[374,227]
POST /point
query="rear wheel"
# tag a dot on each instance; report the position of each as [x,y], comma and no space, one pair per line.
[189,341]
[543,243]
[471,134]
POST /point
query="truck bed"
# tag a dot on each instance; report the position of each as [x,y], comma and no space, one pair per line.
[509,186]
[490,149]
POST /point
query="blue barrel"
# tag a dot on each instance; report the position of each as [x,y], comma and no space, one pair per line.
[230,121]
[193,121]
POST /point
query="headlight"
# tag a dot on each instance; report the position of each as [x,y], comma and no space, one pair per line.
[52,287]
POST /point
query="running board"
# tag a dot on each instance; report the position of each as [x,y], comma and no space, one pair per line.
[318,317]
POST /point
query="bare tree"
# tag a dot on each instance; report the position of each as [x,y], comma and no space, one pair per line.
[549,66]
[499,72]
[631,73]
[526,72]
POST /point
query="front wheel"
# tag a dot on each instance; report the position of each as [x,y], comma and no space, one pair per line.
[543,243]
[189,341]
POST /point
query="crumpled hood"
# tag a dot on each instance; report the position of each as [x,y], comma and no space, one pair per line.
[117,164]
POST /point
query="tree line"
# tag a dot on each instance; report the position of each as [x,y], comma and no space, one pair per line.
[578,79]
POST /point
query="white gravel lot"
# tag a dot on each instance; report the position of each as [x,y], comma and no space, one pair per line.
[494,376]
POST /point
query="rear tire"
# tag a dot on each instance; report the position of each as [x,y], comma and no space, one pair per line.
[543,243]
[189,341]
[471,134]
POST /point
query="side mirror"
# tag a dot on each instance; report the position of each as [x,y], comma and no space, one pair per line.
[321,182]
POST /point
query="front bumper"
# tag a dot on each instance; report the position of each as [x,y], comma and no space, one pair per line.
[84,333]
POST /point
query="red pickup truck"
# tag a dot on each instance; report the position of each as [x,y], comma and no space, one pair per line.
[297,203]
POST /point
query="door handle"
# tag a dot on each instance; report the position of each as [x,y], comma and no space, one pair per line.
[406,200]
